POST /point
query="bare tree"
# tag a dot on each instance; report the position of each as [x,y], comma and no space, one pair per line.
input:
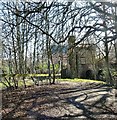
[52,23]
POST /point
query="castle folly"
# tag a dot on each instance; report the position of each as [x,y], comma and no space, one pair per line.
[81,58]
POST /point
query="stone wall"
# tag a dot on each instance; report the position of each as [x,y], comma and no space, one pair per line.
[81,60]
[72,57]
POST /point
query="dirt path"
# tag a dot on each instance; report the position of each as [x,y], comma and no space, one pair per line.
[61,101]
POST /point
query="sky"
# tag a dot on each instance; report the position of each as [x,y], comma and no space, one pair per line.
[31,45]
[0,35]
[60,0]
[42,1]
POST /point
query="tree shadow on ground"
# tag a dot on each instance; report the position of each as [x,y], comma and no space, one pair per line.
[86,109]
[99,104]
[37,102]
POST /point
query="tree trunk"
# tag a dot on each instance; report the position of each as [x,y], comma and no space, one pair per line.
[47,48]
[108,75]
[53,70]
[72,57]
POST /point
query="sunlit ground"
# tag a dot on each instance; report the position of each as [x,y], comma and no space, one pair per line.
[29,81]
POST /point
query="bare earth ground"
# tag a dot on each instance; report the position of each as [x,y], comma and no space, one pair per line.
[65,100]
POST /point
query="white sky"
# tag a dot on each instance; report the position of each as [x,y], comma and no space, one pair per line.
[31,48]
[58,0]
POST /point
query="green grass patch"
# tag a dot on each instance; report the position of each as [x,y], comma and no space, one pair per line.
[114,73]
[81,80]
[1,85]
[20,79]
[25,75]
[20,83]
[28,82]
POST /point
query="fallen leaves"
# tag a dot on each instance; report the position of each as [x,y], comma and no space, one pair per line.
[51,100]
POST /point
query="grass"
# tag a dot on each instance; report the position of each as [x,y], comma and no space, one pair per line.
[25,75]
[30,82]
[20,83]
[81,80]
[1,85]
[19,77]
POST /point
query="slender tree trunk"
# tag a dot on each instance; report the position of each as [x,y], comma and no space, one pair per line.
[115,42]
[115,47]
[48,54]
[15,52]
[47,47]
[53,67]
[34,51]
[18,44]
[26,49]
[108,75]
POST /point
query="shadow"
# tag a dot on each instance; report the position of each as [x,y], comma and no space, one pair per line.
[81,106]
[87,113]
[91,99]
[79,88]
[99,104]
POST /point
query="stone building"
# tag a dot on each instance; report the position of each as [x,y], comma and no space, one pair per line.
[81,58]
[85,58]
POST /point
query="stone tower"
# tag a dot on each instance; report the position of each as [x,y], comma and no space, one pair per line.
[72,57]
